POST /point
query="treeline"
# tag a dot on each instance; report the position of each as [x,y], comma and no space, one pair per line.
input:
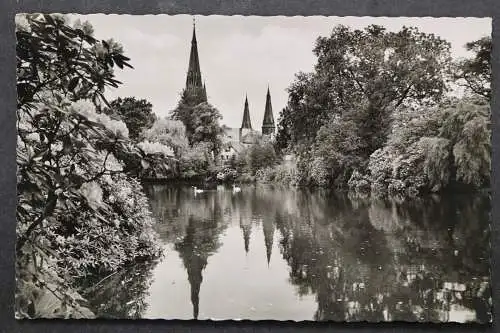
[378,114]
[82,214]
[386,113]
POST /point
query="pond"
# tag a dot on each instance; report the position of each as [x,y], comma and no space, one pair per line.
[296,254]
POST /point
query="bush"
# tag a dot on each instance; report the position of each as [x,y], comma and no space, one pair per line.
[285,175]
[319,172]
[265,175]
[359,183]
[170,133]
[257,156]
[449,145]
[280,174]
[227,175]
[195,162]
[84,218]
[80,212]
[245,178]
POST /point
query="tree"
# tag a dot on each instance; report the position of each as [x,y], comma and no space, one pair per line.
[184,110]
[201,122]
[261,155]
[468,126]
[435,147]
[52,55]
[196,161]
[137,114]
[73,192]
[206,128]
[365,75]
[475,73]
[284,132]
[171,133]
[338,149]
[255,157]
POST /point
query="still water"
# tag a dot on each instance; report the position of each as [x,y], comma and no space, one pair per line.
[294,254]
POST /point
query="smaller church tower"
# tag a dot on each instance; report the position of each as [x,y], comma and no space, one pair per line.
[268,126]
[246,124]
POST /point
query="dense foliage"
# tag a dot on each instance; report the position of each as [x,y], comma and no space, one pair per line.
[192,162]
[437,147]
[375,115]
[362,75]
[201,121]
[80,213]
[475,73]
[171,133]
[136,114]
[251,162]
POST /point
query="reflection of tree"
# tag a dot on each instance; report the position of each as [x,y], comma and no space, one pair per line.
[166,205]
[331,261]
[123,294]
[379,261]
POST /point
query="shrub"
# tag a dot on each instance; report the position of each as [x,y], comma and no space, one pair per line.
[227,175]
[359,183]
[319,172]
[257,156]
[266,175]
[245,178]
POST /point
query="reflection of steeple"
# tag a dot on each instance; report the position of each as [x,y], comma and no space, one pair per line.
[246,226]
[195,278]
[199,242]
[268,227]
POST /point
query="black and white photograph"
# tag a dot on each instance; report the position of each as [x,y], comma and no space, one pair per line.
[305,168]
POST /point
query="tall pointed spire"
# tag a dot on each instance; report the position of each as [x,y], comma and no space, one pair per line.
[246,116]
[268,126]
[194,86]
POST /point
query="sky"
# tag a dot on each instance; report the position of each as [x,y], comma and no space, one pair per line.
[240,55]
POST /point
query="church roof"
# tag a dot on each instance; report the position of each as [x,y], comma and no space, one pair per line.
[251,137]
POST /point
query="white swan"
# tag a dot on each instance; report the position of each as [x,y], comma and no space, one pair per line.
[197,190]
[236,188]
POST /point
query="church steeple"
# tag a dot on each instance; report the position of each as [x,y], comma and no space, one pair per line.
[194,86]
[268,122]
[246,123]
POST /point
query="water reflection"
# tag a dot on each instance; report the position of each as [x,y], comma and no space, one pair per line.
[274,253]
[199,242]
[123,294]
